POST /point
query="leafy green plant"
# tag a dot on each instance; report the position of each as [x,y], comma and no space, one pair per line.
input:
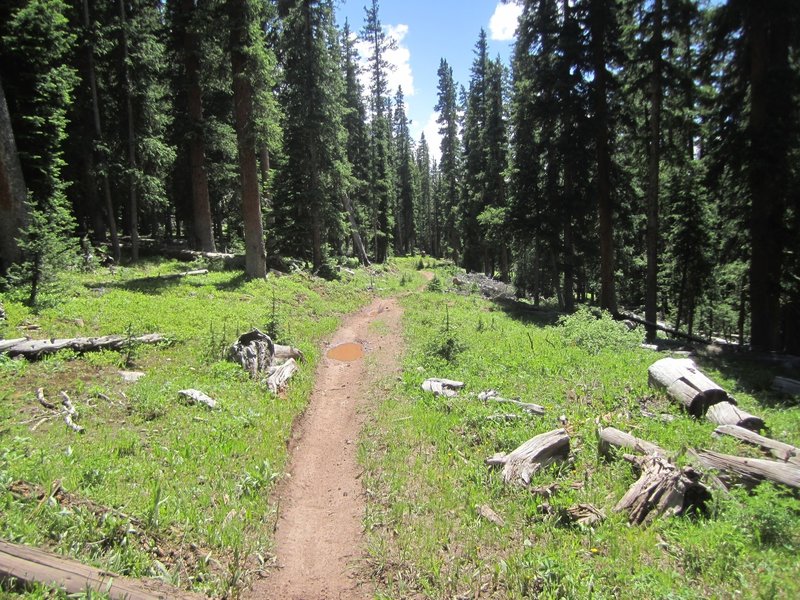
[595,334]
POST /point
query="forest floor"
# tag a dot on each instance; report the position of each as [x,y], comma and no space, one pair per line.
[319,542]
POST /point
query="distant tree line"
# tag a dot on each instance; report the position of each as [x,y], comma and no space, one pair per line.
[636,153]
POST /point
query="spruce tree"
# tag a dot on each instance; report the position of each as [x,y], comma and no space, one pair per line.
[447,107]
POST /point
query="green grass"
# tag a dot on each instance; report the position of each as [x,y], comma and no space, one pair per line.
[189,488]
[425,472]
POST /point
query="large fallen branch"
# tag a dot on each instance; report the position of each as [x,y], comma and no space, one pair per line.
[786,386]
[535,454]
[610,436]
[198,397]
[749,471]
[30,565]
[684,382]
[779,450]
[35,349]
[725,413]
[673,332]
[662,489]
[492,396]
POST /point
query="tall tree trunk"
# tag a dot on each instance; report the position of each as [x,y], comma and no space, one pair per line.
[767,32]
[133,203]
[201,204]
[255,252]
[13,210]
[598,27]
[98,135]
[653,172]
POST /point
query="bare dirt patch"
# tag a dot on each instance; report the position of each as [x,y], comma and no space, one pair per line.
[319,537]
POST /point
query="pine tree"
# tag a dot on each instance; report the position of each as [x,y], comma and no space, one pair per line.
[405,178]
[447,108]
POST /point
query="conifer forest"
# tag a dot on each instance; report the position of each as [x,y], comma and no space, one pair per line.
[633,154]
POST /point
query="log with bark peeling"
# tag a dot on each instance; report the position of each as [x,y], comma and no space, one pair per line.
[749,471]
[537,453]
[684,382]
[491,395]
[34,349]
[610,436]
[779,450]
[198,397]
[662,489]
[277,380]
[725,413]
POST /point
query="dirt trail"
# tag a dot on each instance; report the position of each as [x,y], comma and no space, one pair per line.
[319,541]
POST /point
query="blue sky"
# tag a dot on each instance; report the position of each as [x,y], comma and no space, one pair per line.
[427,31]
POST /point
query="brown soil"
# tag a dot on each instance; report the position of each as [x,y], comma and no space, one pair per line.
[319,541]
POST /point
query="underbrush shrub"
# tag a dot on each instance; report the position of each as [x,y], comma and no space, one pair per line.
[595,334]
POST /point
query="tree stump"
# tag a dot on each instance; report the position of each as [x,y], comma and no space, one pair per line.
[254,351]
[684,382]
[535,454]
[662,489]
[725,413]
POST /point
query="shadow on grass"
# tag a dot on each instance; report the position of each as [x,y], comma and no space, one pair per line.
[527,313]
[157,285]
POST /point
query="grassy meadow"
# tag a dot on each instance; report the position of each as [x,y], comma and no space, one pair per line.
[426,476]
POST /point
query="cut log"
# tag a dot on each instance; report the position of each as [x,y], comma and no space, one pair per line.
[31,565]
[662,489]
[725,413]
[610,436]
[278,379]
[749,471]
[535,454]
[254,351]
[35,349]
[442,387]
[786,386]
[684,382]
[491,395]
[779,450]
[198,397]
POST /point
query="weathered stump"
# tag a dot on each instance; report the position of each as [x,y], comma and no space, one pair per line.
[725,413]
[254,351]
[662,489]
[684,382]
[779,450]
[535,454]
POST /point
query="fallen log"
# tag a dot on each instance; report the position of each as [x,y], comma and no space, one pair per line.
[28,566]
[35,349]
[254,351]
[183,274]
[673,332]
[749,471]
[442,387]
[662,489]
[684,382]
[779,450]
[198,397]
[610,436]
[537,453]
[786,386]
[5,344]
[277,380]
[725,413]
[526,406]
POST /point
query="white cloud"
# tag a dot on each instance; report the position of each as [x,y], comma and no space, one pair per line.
[399,60]
[503,24]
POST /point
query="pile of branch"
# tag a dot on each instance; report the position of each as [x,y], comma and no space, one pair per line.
[265,360]
[490,288]
[35,349]
[535,454]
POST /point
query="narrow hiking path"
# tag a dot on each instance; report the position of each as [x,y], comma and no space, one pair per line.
[319,538]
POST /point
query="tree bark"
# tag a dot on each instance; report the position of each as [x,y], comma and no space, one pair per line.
[599,31]
[13,194]
[201,204]
[255,251]
[133,203]
[653,173]
[358,244]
